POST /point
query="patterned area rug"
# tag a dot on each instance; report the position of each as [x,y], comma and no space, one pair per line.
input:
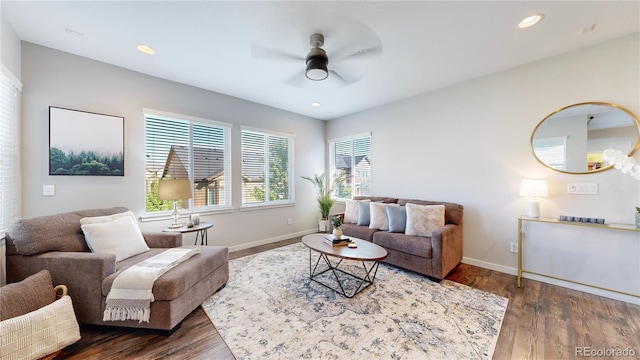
[271,310]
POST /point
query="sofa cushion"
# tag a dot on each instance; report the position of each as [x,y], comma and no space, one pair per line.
[30,294]
[379,219]
[397,218]
[409,244]
[59,232]
[364,213]
[176,281]
[423,219]
[360,232]
[121,237]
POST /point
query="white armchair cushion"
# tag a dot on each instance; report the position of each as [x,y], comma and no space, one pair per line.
[107,218]
[121,237]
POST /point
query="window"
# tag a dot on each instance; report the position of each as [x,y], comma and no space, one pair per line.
[182,147]
[350,159]
[10,89]
[552,151]
[267,167]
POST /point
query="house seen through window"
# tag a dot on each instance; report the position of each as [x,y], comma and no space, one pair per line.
[185,148]
[267,168]
[350,159]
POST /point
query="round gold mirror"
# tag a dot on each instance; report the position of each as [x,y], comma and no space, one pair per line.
[571,139]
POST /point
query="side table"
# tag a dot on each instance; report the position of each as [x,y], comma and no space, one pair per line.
[200,230]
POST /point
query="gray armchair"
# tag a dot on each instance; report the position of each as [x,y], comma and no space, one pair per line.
[56,243]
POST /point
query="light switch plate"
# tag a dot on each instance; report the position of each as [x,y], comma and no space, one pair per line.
[582,188]
[48,190]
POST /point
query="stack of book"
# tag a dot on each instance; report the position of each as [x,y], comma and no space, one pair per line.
[329,239]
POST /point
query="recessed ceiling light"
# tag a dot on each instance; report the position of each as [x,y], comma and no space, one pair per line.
[146,49]
[315,104]
[530,21]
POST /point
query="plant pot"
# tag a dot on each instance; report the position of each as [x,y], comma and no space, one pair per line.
[638,220]
[337,233]
[323,225]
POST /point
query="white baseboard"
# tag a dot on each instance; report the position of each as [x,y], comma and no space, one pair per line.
[490,266]
[544,279]
[272,240]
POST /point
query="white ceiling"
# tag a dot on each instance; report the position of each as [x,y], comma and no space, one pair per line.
[426,45]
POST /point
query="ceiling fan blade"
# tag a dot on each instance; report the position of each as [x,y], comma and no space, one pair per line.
[348,80]
[359,54]
[261,52]
[296,80]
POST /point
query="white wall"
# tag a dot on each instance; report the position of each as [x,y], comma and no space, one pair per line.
[54,78]
[469,143]
[9,48]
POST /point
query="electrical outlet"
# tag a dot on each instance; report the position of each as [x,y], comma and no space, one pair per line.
[289,221]
[513,247]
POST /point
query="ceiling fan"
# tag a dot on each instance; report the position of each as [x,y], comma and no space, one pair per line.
[317,60]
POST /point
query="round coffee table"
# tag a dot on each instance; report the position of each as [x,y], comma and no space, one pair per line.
[365,252]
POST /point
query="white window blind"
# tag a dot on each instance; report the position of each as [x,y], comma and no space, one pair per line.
[351,159]
[183,148]
[267,168]
[552,151]
[9,150]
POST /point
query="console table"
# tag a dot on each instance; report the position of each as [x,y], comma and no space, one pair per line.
[612,227]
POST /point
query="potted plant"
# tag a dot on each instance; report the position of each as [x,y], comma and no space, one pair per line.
[324,191]
[337,222]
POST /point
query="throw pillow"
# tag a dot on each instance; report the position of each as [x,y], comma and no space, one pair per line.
[107,218]
[423,219]
[351,211]
[120,237]
[379,219]
[397,218]
[364,215]
[28,295]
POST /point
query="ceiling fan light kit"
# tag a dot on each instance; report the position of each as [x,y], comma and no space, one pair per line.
[317,60]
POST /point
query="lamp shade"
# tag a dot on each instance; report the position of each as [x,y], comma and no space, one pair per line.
[174,189]
[534,188]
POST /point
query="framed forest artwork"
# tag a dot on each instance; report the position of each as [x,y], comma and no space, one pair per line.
[85,143]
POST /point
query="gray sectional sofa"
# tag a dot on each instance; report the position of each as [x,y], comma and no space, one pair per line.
[433,256]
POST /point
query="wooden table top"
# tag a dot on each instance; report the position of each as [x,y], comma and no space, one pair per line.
[184,229]
[366,251]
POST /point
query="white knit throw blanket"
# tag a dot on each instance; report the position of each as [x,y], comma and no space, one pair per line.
[131,296]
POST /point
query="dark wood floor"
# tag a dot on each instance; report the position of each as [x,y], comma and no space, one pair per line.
[542,322]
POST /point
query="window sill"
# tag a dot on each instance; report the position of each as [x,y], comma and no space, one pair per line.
[266,207]
[184,213]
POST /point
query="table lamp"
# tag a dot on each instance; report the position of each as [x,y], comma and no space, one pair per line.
[174,189]
[533,189]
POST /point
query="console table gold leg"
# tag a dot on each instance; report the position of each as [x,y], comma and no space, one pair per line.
[519,252]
